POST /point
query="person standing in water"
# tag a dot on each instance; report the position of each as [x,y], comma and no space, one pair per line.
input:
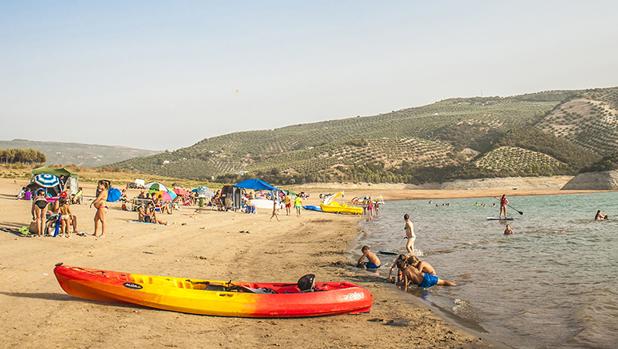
[99,204]
[410,235]
[503,203]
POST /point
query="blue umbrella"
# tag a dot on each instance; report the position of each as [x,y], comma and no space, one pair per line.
[113,194]
[46,180]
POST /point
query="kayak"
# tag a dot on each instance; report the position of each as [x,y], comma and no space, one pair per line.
[500,219]
[213,297]
[335,207]
[312,208]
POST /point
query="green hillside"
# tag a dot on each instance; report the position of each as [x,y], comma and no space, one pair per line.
[89,155]
[545,133]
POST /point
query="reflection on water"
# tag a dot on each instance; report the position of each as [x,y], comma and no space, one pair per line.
[551,284]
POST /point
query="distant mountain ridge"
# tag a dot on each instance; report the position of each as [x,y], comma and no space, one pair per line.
[89,155]
[536,134]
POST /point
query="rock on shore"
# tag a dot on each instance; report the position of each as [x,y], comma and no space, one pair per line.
[605,180]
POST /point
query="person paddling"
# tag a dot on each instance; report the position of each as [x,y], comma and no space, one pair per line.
[600,216]
[503,204]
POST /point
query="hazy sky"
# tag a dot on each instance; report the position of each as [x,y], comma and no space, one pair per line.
[166,74]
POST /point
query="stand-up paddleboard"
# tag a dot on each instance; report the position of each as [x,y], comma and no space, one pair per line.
[500,219]
[313,208]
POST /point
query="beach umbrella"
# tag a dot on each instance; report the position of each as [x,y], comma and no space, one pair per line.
[46,180]
[180,191]
[154,186]
[171,194]
[113,194]
[165,196]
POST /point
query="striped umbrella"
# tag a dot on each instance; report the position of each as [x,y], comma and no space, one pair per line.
[46,180]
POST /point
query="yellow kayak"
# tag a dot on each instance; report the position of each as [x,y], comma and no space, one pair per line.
[335,207]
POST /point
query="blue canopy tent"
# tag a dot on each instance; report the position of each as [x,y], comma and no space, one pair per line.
[252,184]
[256,184]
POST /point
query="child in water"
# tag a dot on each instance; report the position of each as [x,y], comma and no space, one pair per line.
[373,262]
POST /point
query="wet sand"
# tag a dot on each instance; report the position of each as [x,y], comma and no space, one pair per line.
[205,244]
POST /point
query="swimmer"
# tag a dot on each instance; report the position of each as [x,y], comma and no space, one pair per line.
[508,230]
[600,216]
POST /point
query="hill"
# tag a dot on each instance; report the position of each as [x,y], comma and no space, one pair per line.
[89,155]
[537,134]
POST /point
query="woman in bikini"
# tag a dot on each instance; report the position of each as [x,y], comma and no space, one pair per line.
[99,204]
[39,204]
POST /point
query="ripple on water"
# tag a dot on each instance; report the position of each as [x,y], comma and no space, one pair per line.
[548,285]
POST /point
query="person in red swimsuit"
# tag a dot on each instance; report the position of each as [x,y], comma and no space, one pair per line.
[503,203]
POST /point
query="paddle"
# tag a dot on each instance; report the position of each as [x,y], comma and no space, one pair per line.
[388,253]
[516,210]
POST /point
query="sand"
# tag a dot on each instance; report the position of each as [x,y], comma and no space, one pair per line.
[35,312]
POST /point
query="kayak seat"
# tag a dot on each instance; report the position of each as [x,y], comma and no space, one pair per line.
[306,283]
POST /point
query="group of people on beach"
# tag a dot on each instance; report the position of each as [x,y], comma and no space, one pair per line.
[287,201]
[410,269]
[52,216]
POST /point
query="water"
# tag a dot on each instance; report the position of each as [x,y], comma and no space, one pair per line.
[553,284]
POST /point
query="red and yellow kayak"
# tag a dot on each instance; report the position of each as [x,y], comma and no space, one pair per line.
[213,297]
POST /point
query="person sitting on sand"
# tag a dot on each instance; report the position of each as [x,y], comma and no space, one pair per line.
[508,230]
[373,262]
[401,258]
[600,216]
[411,275]
[152,215]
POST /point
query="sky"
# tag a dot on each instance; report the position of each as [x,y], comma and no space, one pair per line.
[167,74]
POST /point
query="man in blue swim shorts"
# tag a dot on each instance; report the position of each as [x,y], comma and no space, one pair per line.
[423,280]
[373,262]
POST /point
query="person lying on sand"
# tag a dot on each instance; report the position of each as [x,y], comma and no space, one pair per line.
[600,216]
[411,275]
[373,262]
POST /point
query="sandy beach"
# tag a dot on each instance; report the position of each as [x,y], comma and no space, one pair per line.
[36,312]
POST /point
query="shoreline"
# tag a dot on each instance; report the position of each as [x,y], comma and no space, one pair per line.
[207,245]
[414,300]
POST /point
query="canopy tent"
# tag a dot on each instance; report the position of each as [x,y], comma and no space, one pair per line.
[53,171]
[255,184]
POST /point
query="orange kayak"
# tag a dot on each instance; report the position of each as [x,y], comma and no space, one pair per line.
[214,297]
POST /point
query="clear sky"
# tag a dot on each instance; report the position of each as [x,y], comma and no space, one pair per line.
[166,74]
